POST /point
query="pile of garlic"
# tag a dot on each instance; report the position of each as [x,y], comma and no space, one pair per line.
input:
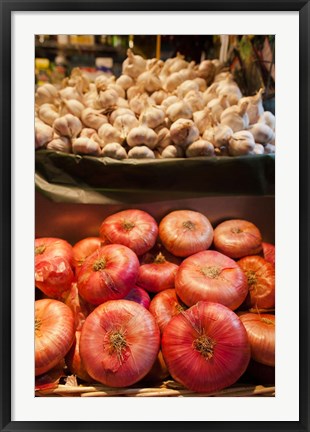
[155,109]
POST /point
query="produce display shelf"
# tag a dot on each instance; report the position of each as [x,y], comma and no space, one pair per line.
[166,389]
[242,175]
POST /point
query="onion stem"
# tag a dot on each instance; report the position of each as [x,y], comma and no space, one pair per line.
[204,345]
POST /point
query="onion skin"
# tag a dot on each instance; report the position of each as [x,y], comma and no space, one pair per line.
[237,238]
[54,333]
[226,353]
[84,248]
[211,276]
[261,334]
[164,306]
[77,305]
[157,276]
[269,252]
[108,274]
[74,361]
[53,260]
[261,282]
[135,229]
[138,337]
[140,296]
[185,232]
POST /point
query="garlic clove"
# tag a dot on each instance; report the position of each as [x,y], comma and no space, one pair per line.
[114,151]
[183,132]
[141,152]
[199,148]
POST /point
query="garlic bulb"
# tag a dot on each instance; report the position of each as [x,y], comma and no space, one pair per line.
[78,79]
[135,90]
[43,134]
[185,87]
[218,135]
[268,118]
[169,101]
[195,100]
[262,133]
[61,144]
[210,93]
[141,152]
[206,70]
[203,119]
[67,126]
[133,65]
[102,82]
[217,106]
[71,93]
[87,132]
[173,81]
[231,89]
[120,112]
[159,96]
[109,134]
[152,116]
[48,113]
[164,139]
[183,132]
[269,149]
[122,103]
[125,123]
[139,103]
[107,99]
[258,149]
[46,93]
[93,118]
[255,108]
[71,106]
[142,135]
[115,151]
[178,64]
[202,85]
[150,81]
[171,152]
[119,90]
[125,81]
[200,148]
[236,117]
[179,110]
[241,143]
[85,145]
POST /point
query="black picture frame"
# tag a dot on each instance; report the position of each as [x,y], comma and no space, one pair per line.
[6,8]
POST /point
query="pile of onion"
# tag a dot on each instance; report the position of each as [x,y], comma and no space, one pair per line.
[206,348]
[119,343]
[213,277]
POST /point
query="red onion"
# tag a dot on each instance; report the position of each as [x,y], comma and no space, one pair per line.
[157,276]
[206,347]
[54,333]
[140,296]
[74,361]
[108,274]
[84,248]
[237,238]
[185,232]
[261,334]
[135,229]
[119,343]
[261,281]
[164,306]
[53,272]
[269,252]
[211,276]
